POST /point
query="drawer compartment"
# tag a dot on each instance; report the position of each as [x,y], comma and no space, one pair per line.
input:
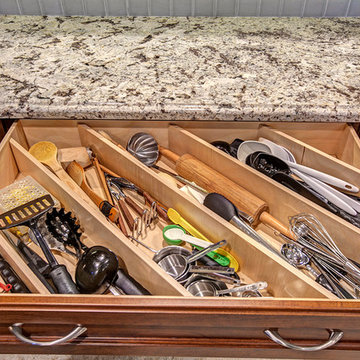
[337,140]
[300,308]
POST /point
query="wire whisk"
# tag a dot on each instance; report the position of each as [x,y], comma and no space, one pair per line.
[311,234]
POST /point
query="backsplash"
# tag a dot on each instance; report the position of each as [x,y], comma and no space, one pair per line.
[305,8]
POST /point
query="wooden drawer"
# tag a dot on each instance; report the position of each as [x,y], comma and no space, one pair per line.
[172,322]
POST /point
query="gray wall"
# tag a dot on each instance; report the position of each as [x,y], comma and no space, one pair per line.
[317,8]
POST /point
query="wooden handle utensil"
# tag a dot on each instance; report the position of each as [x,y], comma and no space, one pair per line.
[195,170]
[46,152]
[78,175]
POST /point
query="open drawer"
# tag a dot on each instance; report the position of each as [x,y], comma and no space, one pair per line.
[172,322]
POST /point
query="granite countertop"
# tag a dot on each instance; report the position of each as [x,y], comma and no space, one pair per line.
[268,69]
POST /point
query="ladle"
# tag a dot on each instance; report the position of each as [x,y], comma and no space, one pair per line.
[285,154]
[250,146]
[270,164]
[230,149]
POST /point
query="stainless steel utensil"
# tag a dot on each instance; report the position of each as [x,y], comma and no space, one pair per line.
[311,234]
[145,148]
[239,289]
[299,259]
[177,265]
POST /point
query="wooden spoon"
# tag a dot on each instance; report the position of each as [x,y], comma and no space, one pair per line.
[77,173]
[46,152]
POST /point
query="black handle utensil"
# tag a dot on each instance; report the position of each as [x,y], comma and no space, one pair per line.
[230,149]
[98,267]
[128,284]
[35,262]
[227,210]
[28,215]
[10,277]
[280,172]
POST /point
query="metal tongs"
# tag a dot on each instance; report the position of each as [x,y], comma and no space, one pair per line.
[146,218]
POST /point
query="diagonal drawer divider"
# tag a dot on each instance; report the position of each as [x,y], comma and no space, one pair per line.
[309,156]
[282,201]
[99,230]
[255,261]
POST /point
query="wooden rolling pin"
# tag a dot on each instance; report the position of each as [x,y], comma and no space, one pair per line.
[195,170]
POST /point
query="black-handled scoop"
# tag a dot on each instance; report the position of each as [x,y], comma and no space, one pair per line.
[220,205]
[99,266]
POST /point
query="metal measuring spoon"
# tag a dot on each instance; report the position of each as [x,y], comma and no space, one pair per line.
[296,257]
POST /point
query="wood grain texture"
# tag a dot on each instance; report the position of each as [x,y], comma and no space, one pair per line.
[282,201]
[351,148]
[98,228]
[138,325]
[181,326]
[312,157]
[254,259]
[213,181]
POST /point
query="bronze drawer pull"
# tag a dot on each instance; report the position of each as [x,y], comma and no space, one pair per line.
[335,336]
[16,330]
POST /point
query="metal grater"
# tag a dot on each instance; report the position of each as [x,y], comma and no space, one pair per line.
[21,192]
[26,212]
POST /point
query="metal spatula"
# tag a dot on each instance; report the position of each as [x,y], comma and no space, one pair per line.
[28,215]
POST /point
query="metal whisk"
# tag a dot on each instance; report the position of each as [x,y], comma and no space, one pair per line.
[311,234]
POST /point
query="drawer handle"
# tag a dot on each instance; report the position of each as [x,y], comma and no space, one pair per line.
[335,336]
[16,329]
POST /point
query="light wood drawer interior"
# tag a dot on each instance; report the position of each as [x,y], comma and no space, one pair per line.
[255,261]
[338,140]
[298,300]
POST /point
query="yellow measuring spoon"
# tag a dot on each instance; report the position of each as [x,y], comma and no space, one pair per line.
[176,218]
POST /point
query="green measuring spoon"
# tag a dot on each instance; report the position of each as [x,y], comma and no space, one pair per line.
[175,234]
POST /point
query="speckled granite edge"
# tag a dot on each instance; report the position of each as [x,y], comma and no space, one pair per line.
[229,69]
